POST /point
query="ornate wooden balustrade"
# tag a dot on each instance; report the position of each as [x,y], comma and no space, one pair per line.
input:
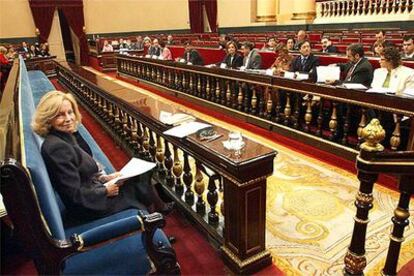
[364,8]
[223,191]
[372,161]
[327,117]
[45,64]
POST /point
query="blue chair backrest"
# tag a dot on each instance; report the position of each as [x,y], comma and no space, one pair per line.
[32,159]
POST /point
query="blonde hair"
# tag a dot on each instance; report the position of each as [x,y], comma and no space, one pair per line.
[48,108]
[3,50]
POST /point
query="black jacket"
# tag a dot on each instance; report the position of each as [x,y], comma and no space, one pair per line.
[72,169]
[194,57]
[330,49]
[308,67]
[235,63]
[362,73]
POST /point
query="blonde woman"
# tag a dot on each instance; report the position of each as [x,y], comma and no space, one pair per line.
[74,173]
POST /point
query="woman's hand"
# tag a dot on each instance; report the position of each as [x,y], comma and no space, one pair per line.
[112,190]
[108,177]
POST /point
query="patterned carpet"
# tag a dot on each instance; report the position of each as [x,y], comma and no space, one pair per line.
[310,210]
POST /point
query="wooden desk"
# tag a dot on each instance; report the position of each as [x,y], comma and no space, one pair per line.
[45,64]
[133,120]
[331,123]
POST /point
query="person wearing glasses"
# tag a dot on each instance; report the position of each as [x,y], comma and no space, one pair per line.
[393,75]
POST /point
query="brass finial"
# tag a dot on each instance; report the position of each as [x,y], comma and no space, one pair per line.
[373,133]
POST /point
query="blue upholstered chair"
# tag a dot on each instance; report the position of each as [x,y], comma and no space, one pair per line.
[121,244]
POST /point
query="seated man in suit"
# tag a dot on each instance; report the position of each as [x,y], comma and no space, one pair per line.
[233,59]
[392,74]
[306,62]
[24,49]
[252,58]
[408,47]
[327,46]
[191,55]
[170,40]
[300,37]
[155,48]
[358,69]
[139,44]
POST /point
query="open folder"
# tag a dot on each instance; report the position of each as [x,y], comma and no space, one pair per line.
[133,168]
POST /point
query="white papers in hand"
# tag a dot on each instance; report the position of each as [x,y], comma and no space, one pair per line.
[186,129]
[302,76]
[133,168]
[175,119]
[380,90]
[328,73]
[289,75]
[354,86]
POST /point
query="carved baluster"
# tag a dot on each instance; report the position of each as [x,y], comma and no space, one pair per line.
[125,129]
[177,171]
[261,105]
[333,123]
[400,221]
[234,95]
[308,114]
[395,138]
[199,187]
[170,78]
[278,106]
[160,157]
[296,112]
[288,110]
[346,125]
[355,260]
[246,99]
[199,91]
[164,77]
[191,86]
[240,97]
[188,180]
[111,115]
[176,82]
[140,140]
[227,100]
[208,90]
[319,120]
[146,145]
[218,92]
[184,82]
[117,120]
[361,125]
[269,103]
[134,135]
[152,146]
[168,163]
[212,198]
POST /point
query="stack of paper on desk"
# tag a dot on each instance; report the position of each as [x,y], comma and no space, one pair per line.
[133,168]
[175,119]
[328,73]
[186,129]
[354,86]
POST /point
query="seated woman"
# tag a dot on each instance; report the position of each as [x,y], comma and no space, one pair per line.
[290,44]
[165,52]
[270,46]
[233,59]
[44,50]
[107,47]
[75,175]
[393,74]
[282,62]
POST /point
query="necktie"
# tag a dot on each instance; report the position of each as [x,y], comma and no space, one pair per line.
[350,71]
[231,60]
[386,83]
[303,61]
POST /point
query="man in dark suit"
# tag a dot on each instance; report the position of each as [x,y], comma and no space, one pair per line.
[191,55]
[155,48]
[358,69]
[252,58]
[306,62]
[300,38]
[327,46]
[24,49]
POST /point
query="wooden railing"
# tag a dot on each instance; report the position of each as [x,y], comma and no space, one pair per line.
[45,64]
[372,161]
[223,191]
[324,116]
[340,9]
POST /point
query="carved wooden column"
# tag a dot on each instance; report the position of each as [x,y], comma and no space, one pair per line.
[355,260]
[266,10]
[304,10]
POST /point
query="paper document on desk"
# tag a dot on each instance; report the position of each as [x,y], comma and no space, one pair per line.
[175,119]
[133,168]
[186,129]
[354,86]
[380,90]
[408,92]
[328,73]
